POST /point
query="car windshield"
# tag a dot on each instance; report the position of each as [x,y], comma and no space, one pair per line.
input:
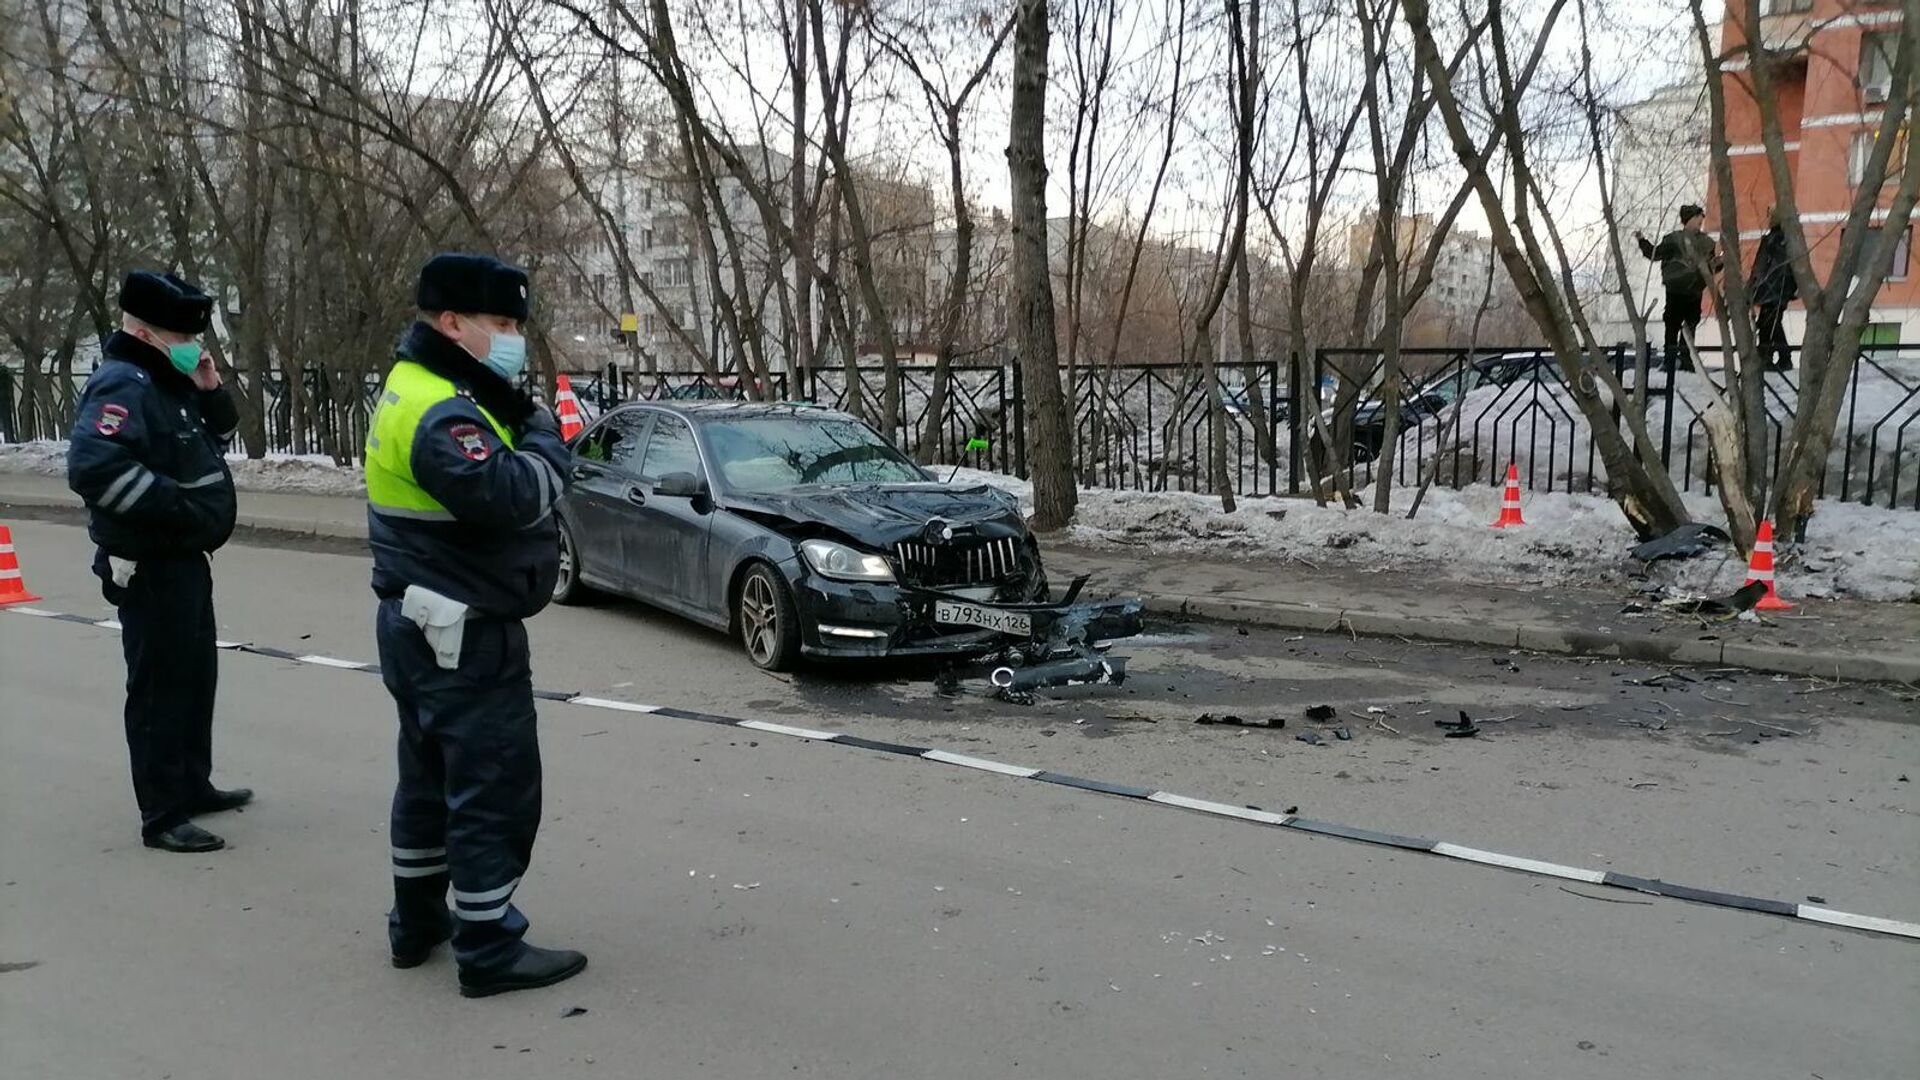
[774,453]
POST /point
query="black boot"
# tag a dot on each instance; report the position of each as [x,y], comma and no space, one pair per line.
[532,967]
[410,949]
[216,800]
[419,920]
[185,837]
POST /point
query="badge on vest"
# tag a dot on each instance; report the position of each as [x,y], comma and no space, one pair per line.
[111,417]
[471,443]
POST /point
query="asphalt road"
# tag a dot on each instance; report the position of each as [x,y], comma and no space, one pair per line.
[769,907]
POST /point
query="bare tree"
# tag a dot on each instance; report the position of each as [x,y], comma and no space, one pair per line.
[1838,308]
[1637,480]
[1049,449]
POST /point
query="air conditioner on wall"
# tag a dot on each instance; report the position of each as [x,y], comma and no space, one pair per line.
[1874,93]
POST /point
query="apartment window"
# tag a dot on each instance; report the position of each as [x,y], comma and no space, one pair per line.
[1876,64]
[1784,7]
[646,239]
[1880,340]
[599,285]
[1902,251]
[1863,143]
[1898,261]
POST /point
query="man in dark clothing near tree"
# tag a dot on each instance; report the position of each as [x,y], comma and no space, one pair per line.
[1773,290]
[1687,258]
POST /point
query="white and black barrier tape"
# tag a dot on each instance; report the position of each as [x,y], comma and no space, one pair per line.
[1459,852]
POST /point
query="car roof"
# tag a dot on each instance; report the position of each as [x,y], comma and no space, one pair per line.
[707,411]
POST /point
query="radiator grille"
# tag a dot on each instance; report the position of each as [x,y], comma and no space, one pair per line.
[942,565]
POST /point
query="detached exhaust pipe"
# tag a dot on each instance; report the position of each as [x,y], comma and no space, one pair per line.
[1073,671]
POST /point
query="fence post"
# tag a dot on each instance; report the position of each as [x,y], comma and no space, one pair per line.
[1296,366]
[1273,426]
[1666,420]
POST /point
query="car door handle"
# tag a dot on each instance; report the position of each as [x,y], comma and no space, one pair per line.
[582,472]
[636,496]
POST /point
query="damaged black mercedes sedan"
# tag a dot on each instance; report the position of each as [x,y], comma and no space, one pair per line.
[799,530]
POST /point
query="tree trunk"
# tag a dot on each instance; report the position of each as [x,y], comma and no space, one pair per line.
[1049,453]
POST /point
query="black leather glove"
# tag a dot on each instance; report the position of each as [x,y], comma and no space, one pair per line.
[541,419]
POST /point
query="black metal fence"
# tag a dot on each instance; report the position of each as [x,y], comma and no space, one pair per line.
[1149,426]
[1465,418]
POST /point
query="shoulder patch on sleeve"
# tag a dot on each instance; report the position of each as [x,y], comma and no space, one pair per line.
[471,443]
[111,417]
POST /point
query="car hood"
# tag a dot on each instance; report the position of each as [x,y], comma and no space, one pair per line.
[882,515]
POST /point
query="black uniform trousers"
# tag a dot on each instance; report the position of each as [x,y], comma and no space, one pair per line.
[1773,335]
[1682,311]
[467,805]
[167,634]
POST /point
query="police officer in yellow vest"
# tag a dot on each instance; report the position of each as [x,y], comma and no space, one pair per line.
[463,470]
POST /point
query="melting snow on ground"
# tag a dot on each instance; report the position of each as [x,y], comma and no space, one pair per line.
[308,474]
[1852,551]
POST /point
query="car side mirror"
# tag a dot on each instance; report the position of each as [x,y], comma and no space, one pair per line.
[680,485]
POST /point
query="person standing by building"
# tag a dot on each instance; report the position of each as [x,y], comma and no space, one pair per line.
[148,455]
[1688,259]
[463,471]
[1773,290]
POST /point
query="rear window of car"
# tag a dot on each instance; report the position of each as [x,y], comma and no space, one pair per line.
[768,454]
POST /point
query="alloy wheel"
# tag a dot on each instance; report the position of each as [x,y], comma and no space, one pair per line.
[759,619]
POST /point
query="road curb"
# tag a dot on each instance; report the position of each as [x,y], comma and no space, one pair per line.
[296,525]
[1279,614]
[1651,648]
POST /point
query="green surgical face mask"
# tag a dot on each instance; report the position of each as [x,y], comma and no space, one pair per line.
[185,356]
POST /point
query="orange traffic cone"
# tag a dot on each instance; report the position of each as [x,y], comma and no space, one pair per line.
[1761,569]
[1510,502]
[568,408]
[13,590]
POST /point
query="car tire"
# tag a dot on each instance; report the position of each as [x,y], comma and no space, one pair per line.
[567,588]
[767,619]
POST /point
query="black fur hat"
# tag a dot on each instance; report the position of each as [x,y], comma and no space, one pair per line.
[473,285]
[166,301]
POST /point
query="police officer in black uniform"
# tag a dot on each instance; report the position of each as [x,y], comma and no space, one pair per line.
[463,471]
[148,455]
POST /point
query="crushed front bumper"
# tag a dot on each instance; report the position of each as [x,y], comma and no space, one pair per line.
[847,620]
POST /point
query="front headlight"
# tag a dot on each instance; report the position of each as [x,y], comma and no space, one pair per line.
[842,563]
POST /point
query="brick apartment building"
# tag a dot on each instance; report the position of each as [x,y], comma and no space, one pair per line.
[1831,98]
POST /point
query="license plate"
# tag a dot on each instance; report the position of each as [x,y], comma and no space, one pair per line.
[948,613]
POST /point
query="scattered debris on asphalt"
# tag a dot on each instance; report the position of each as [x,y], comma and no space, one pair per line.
[1690,539]
[572,1011]
[1230,720]
[1462,728]
[1343,734]
[1311,738]
[1661,680]
[1739,601]
[1320,714]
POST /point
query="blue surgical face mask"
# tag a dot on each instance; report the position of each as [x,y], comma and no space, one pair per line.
[506,356]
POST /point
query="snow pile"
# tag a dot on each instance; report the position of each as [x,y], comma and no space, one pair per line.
[287,474]
[1851,551]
